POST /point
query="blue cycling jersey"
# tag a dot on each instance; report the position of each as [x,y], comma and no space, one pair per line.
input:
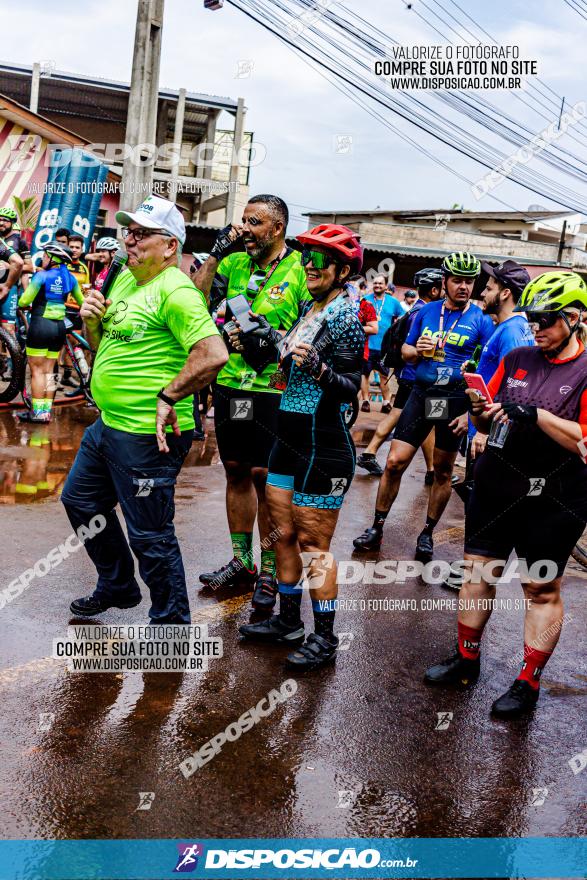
[408,374]
[512,333]
[463,331]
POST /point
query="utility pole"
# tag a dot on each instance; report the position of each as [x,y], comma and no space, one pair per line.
[141,124]
[35,82]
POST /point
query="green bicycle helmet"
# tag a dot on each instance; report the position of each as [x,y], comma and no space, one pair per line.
[553,292]
[462,264]
[8,214]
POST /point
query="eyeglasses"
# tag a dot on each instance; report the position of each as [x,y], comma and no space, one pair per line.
[543,320]
[140,234]
[317,258]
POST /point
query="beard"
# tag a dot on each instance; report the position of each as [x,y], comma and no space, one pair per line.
[261,248]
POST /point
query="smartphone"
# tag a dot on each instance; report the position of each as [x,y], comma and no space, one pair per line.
[240,308]
[477,383]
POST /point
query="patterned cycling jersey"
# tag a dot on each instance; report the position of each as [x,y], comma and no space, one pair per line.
[337,324]
[314,455]
[527,376]
[19,246]
[6,251]
[48,291]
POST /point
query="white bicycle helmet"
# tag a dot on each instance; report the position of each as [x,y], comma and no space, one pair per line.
[107,244]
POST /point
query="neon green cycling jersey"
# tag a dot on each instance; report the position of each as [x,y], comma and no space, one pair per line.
[279,301]
[147,335]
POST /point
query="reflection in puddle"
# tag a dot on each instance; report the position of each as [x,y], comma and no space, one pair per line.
[36,459]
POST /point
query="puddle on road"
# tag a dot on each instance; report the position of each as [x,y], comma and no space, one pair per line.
[36,459]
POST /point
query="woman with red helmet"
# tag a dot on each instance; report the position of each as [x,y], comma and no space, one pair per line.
[313,460]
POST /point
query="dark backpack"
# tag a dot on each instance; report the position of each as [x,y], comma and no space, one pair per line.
[393,339]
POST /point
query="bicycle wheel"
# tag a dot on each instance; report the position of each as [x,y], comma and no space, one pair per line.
[12,367]
[579,554]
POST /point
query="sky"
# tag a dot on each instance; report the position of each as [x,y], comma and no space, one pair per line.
[298,116]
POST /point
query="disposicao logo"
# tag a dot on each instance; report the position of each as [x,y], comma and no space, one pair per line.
[187,861]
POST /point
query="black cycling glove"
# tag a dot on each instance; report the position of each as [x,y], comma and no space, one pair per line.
[265,331]
[521,412]
[223,243]
[311,363]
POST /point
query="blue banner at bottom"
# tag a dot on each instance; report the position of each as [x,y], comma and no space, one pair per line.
[294,858]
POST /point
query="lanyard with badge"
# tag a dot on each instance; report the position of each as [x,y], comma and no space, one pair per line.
[439,354]
[270,270]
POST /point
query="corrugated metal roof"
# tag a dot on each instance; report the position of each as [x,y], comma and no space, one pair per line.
[409,251]
[214,101]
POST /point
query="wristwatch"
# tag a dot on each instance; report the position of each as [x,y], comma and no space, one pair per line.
[166,399]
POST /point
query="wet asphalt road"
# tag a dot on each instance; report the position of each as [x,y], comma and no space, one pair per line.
[354,752]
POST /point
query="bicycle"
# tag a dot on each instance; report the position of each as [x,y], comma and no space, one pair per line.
[12,366]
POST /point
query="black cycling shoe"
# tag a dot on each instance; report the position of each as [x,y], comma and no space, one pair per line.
[454,670]
[424,547]
[265,594]
[429,478]
[273,630]
[520,698]
[315,652]
[231,575]
[89,606]
[369,540]
[370,464]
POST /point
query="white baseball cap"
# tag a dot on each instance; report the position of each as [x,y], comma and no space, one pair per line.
[156,213]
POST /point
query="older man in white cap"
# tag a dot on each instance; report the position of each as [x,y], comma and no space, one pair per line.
[156,346]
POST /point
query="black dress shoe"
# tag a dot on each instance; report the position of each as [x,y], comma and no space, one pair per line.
[518,700]
[89,606]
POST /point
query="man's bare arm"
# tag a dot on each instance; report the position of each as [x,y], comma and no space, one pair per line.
[204,277]
[204,362]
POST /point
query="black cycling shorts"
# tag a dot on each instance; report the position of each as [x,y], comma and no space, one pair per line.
[246,424]
[534,527]
[428,408]
[316,462]
[404,389]
[45,337]
[374,363]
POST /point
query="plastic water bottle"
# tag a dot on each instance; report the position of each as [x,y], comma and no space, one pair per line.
[81,361]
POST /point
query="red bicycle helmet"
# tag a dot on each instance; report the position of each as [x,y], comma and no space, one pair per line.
[340,239]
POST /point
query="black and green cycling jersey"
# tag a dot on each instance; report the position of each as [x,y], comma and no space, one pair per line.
[275,292]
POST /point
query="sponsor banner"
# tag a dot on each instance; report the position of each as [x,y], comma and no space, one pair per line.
[72,197]
[289,858]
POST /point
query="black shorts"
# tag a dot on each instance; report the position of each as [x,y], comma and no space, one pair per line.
[534,527]
[245,432]
[374,363]
[45,337]
[404,389]
[428,408]
[317,462]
